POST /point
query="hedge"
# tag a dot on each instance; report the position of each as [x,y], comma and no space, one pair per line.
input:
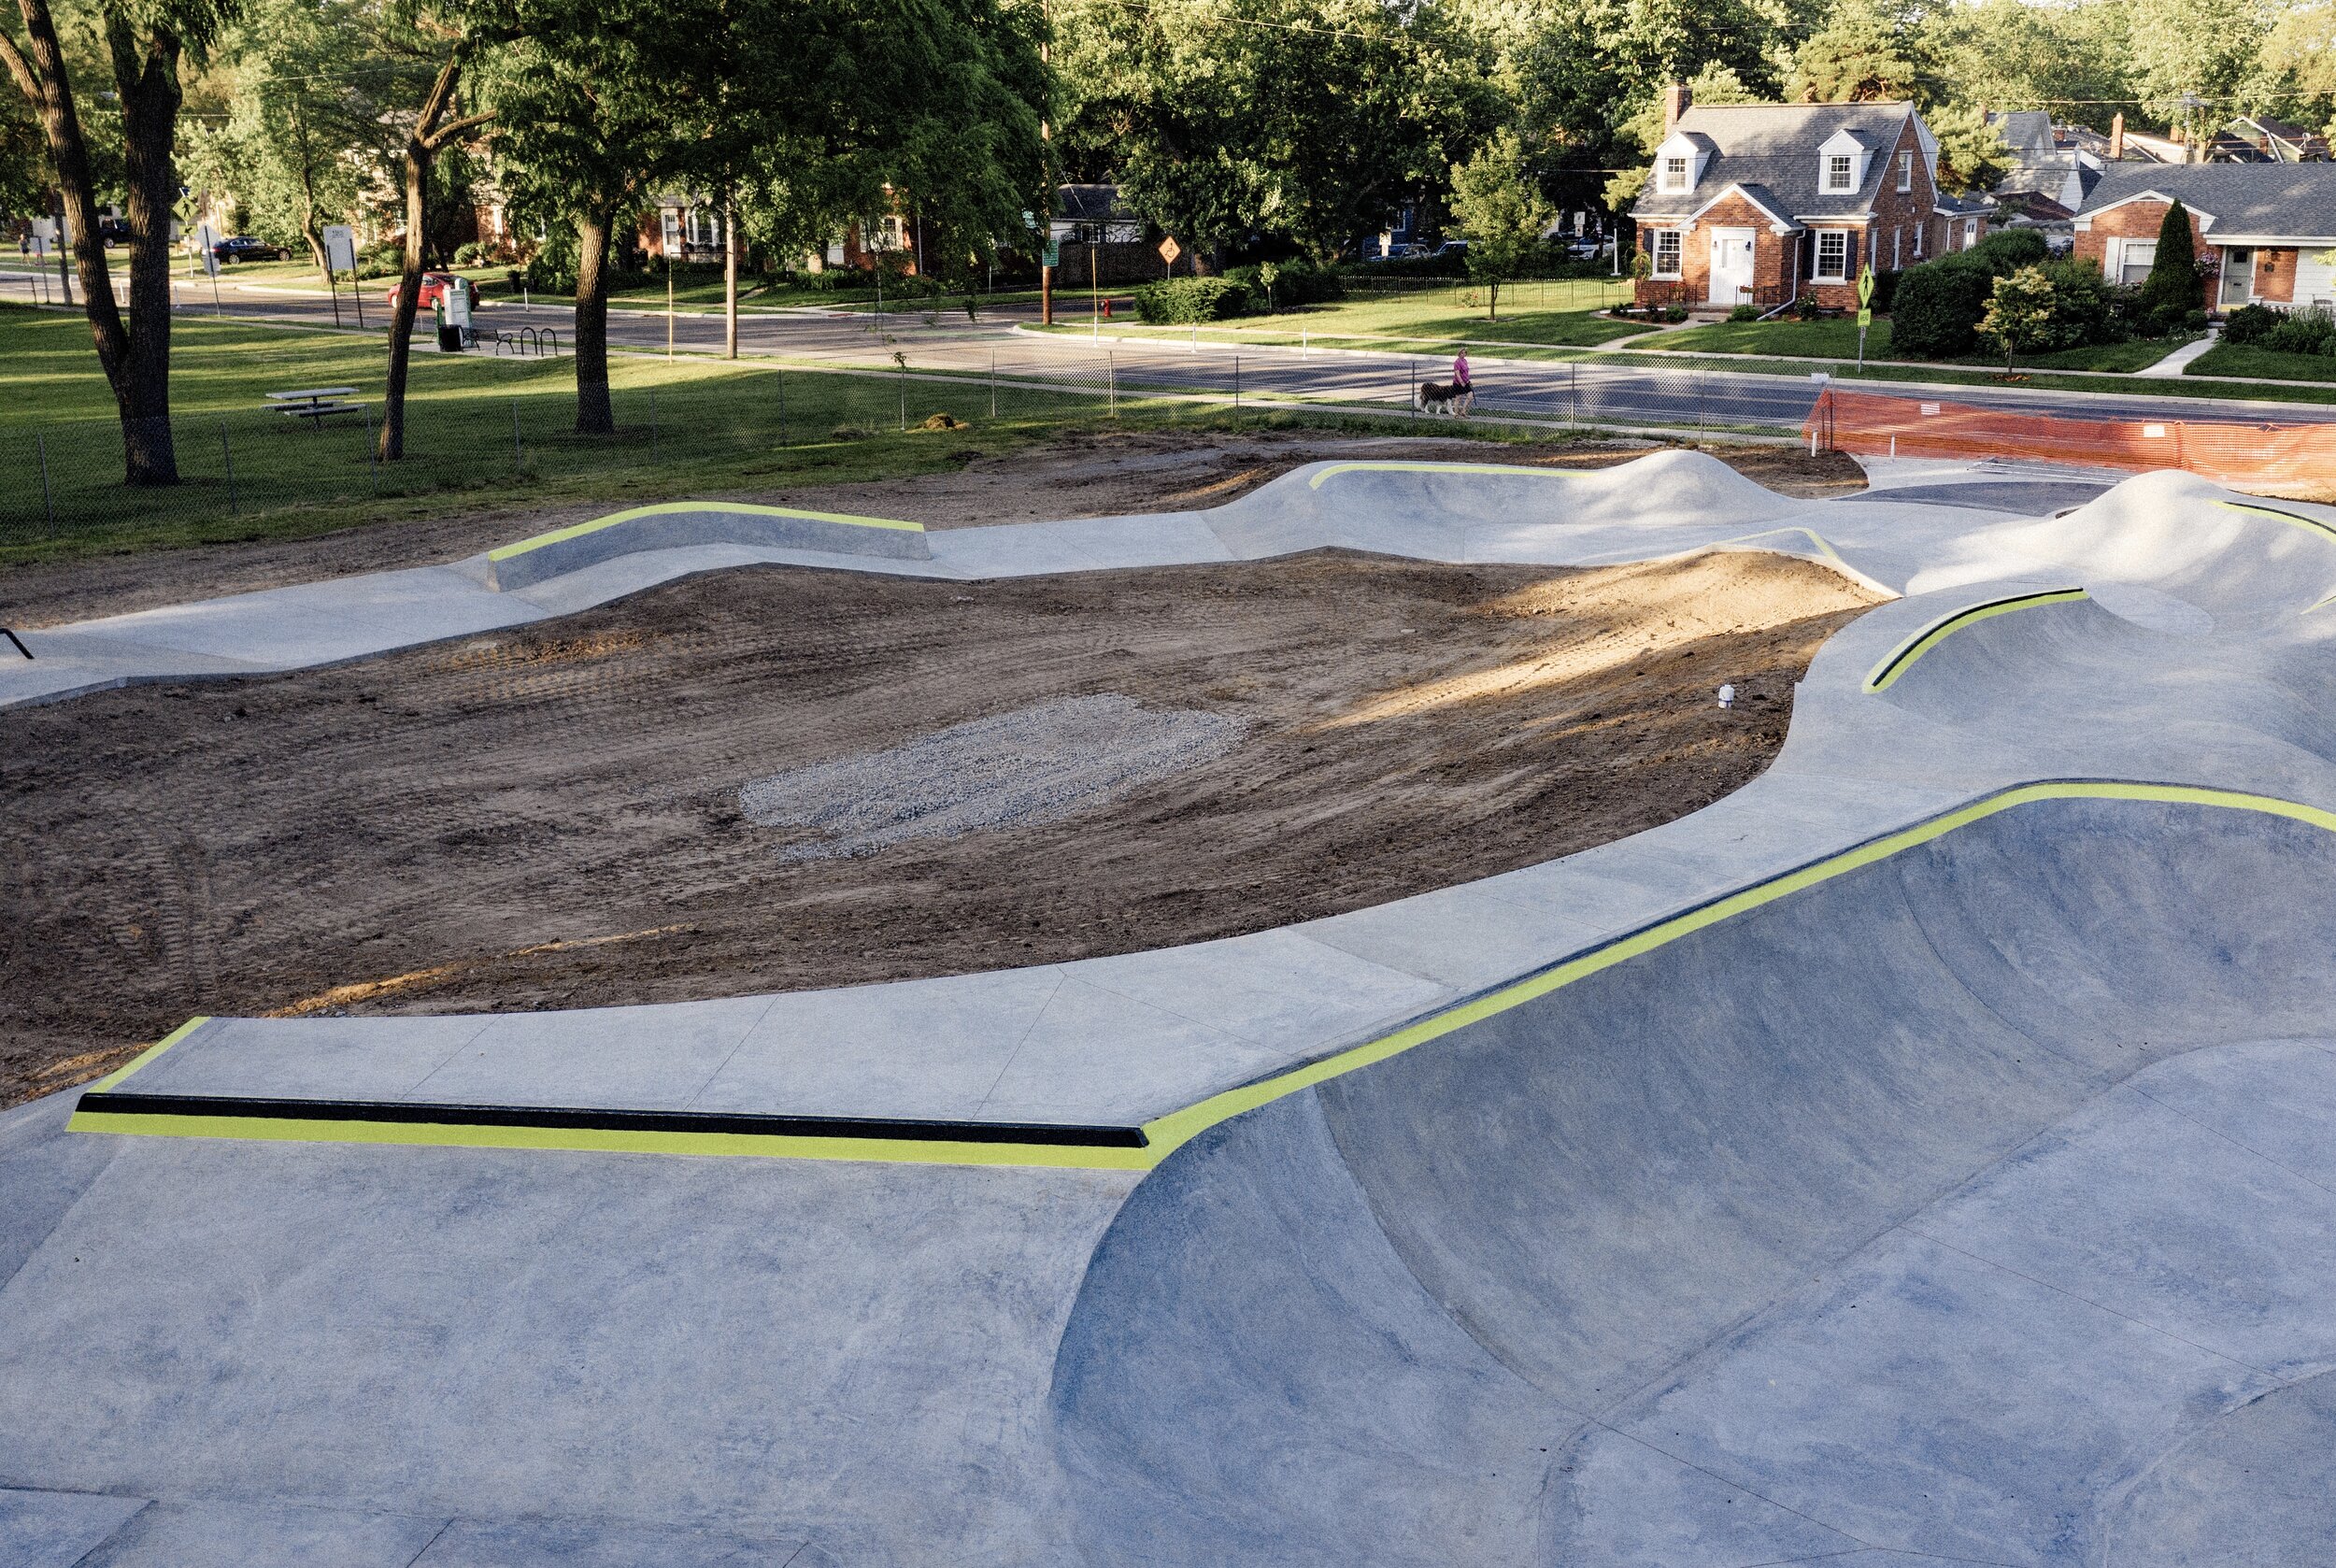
[1180,300]
[1935,314]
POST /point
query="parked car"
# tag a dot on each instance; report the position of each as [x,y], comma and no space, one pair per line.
[1452,248]
[434,287]
[243,248]
[113,231]
[1396,251]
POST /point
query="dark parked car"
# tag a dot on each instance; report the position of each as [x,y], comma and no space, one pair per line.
[243,248]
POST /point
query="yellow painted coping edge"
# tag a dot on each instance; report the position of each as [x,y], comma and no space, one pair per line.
[1169,1132]
[578,530]
[2309,525]
[150,1052]
[1901,658]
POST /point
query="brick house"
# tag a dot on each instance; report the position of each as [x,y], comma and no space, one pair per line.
[1756,204]
[2266,232]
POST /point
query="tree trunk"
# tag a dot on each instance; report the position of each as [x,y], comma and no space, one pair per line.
[40,75]
[408,303]
[1492,302]
[730,279]
[594,415]
[148,79]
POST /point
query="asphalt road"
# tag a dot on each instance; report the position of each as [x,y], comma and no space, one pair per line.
[1615,389]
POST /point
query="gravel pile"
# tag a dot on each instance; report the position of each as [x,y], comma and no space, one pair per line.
[1036,764]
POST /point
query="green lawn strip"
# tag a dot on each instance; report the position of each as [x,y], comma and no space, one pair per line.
[1838,338]
[691,427]
[2245,359]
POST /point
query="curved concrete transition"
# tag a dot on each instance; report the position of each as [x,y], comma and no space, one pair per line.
[1928,1152]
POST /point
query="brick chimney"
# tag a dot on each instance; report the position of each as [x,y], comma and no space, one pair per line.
[1678,98]
[2116,137]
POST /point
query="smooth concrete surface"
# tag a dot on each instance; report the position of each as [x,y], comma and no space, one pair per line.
[1973,1202]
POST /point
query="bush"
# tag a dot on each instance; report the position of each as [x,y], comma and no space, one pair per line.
[1453,266]
[1181,300]
[1675,313]
[1936,313]
[1808,307]
[2172,281]
[2309,331]
[1295,283]
[549,273]
[2084,305]
[2250,324]
[1744,313]
[1886,290]
[2006,251]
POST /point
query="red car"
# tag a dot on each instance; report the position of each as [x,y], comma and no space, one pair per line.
[434,287]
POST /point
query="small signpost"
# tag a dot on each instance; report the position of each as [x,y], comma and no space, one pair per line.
[1169,251]
[207,246]
[1865,310]
[341,254]
[669,236]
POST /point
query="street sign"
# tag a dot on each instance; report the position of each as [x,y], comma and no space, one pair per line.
[205,237]
[1029,218]
[340,248]
[1170,250]
[1865,285]
[1054,254]
[1865,317]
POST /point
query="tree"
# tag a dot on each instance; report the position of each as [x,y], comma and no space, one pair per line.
[1645,131]
[2171,285]
[144,45]
[1303,124]
[436,123]
[2019,313]
[1864,55]
[2193,58]
[1971,153]
[1502,211]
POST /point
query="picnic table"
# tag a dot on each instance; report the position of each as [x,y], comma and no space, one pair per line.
[316,404]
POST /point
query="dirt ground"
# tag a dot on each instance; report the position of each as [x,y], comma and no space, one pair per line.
[551,817]
[1084,476]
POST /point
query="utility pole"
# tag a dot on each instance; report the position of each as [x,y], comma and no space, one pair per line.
[1045,134]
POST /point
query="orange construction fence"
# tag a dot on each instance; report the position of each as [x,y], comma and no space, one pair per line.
[2298,460]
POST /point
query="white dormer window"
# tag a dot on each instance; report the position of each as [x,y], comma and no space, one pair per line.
[1674,174]
[1838,172]
[1905,171]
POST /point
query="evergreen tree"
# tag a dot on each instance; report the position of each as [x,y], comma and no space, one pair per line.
[2173,282]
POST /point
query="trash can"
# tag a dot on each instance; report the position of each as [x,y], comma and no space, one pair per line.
[449,335]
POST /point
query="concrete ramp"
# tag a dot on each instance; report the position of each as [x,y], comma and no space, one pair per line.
[681,524]
[1792,1236]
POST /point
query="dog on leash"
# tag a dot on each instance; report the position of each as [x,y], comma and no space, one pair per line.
[1445,397]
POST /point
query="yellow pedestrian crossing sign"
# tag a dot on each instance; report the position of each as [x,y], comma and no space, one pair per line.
[1865,316]
[1865,285]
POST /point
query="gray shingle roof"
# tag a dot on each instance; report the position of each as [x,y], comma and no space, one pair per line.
[2295,200]
[1774,146]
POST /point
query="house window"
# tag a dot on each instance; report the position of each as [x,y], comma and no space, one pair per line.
[1898,248]
[1970,232]
[1920,230]
[1837,171]
[1674,174]
[1667,252]
[2140,256]
[1905,171]
[1832,256]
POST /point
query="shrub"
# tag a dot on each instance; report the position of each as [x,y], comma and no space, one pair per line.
[1886,290]
[1808,307]
[2311,331]
[549,273]
[1180,300]
[2084,305]
[2022,314]
[2007,250]
[2250,324]
[2172,281]
[1294,283]
[1744,313]
[1936,314]
[1675,313]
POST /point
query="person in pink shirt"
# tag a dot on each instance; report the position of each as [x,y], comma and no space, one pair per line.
[1459,370]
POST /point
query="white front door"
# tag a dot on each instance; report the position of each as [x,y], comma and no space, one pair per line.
[2238,277]
[1731,266]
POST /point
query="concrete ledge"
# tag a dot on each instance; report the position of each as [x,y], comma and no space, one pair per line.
[679,524]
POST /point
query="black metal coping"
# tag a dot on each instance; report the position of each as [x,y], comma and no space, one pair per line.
[729,1123]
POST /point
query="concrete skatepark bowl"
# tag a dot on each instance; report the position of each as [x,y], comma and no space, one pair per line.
[1925,1153]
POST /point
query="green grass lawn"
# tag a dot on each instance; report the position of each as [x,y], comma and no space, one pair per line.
[1837,339]
[483,433]
[1557,314]
[2245,359]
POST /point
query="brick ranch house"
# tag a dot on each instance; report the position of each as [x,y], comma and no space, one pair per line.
[2268,231]
[1756,204]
